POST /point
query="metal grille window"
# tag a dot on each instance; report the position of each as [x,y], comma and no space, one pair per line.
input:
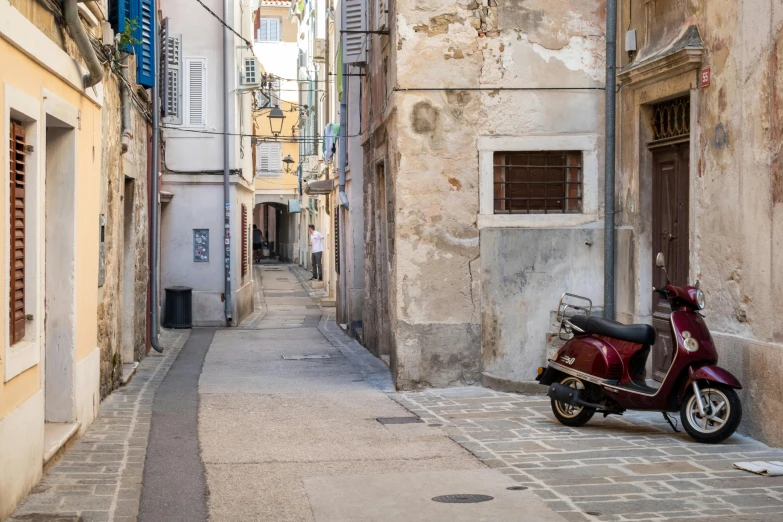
[538,182]
[671,119]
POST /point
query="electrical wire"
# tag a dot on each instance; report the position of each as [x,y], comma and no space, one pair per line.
[224,24]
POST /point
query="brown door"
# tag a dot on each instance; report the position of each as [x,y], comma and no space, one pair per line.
[669,236]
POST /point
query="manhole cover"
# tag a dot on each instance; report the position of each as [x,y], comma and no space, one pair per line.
[462,499]
[517,488]
[303,357]
[399,420]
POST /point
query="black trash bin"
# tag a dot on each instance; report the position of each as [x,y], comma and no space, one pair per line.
[179,308]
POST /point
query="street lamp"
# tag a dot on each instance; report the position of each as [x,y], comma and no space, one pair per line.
[288,160]
[276,118]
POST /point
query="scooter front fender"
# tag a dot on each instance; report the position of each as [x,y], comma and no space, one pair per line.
[709,373]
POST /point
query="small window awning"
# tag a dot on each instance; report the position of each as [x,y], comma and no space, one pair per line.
[319,188]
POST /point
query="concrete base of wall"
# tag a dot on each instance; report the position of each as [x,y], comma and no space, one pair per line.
[437,355]
[496,383]
[88,393]
[21,454]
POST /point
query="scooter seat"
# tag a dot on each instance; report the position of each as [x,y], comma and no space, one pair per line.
[634,333]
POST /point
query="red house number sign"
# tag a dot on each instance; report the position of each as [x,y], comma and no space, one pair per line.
[705,77]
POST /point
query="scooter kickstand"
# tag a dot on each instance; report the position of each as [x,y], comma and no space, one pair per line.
[671,423]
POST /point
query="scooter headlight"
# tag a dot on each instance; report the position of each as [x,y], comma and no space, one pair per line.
[700,299]
[689,342]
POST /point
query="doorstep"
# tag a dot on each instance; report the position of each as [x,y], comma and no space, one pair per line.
[128,371]
[56,437]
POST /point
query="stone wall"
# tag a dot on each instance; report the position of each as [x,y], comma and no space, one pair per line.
[118,293]
[458,72]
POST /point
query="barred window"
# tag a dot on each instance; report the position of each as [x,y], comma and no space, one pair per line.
[538,182]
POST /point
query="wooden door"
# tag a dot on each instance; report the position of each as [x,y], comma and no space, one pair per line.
[670,237]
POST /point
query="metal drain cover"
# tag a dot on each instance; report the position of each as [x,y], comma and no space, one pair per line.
[399,420]
[462,499]
[303,357]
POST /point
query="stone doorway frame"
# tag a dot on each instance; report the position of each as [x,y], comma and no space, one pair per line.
[655,80]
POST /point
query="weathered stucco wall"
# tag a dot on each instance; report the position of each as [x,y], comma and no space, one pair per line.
[736,185]
[118,294]
[456,72]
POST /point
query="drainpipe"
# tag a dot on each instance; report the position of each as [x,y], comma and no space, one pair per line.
[611,79]
[154,206]
[226,201]
[125,103]
[79,35]
[343,137]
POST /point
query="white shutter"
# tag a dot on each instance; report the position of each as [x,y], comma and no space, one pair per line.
[274,30]
[269,30]
[173,80]
[196,92]
[269,160]
[381,14]
[355,20]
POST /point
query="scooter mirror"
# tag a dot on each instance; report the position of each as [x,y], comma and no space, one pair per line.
[659,261]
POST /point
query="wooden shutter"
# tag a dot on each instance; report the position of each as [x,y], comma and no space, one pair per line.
[119,12]
[17,188]
[145,49]
[355,20]
[173,80]
[244,241]
[196,88]
[337,239]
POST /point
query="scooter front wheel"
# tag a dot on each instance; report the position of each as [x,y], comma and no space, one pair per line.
[568,414]
[721,417]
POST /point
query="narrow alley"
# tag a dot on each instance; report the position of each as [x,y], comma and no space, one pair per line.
[288,419]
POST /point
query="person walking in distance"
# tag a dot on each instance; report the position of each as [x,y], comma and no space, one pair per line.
[258,240]
[317,248]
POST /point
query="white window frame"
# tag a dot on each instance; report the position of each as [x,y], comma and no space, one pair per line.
[274,171]
[489,145]
[186,88]
[26,353]
[279,29]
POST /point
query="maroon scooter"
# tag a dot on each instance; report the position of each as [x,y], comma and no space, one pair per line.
[602,368]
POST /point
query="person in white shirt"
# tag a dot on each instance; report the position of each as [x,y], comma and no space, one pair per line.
[317,248]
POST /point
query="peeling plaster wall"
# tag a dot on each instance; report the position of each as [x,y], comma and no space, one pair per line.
[736,187]
[455,67]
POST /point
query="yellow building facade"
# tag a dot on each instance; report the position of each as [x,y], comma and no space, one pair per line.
[49,360]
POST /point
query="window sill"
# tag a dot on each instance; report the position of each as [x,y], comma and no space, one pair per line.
[534,220]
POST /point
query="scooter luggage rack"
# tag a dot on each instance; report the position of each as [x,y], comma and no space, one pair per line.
[563,318]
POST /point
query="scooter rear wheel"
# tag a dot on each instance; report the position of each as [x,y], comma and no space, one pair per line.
[723,413]
[567,414]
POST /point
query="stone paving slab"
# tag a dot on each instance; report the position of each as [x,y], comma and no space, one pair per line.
[625,468]
[99,478]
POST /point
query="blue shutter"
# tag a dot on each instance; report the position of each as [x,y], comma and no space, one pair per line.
[145,51]
[119,11]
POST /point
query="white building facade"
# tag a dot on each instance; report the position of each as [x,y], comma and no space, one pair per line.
[195,216]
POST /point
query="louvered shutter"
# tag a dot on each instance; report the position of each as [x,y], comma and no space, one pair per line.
[382,14]
[196,90]
[263,30]
[355,20]
[274,30]
[263,159]
[244,240]
[275,159]
[173,80]
[145,50]
[17,193]
[119,12]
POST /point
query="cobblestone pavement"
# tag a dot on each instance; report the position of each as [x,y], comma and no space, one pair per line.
[98,479]
[619,468]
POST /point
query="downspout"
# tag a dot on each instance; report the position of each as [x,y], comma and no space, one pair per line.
[344,137]
[79,35]
[226,201]
[611,79]
[154,205]
[125,104]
